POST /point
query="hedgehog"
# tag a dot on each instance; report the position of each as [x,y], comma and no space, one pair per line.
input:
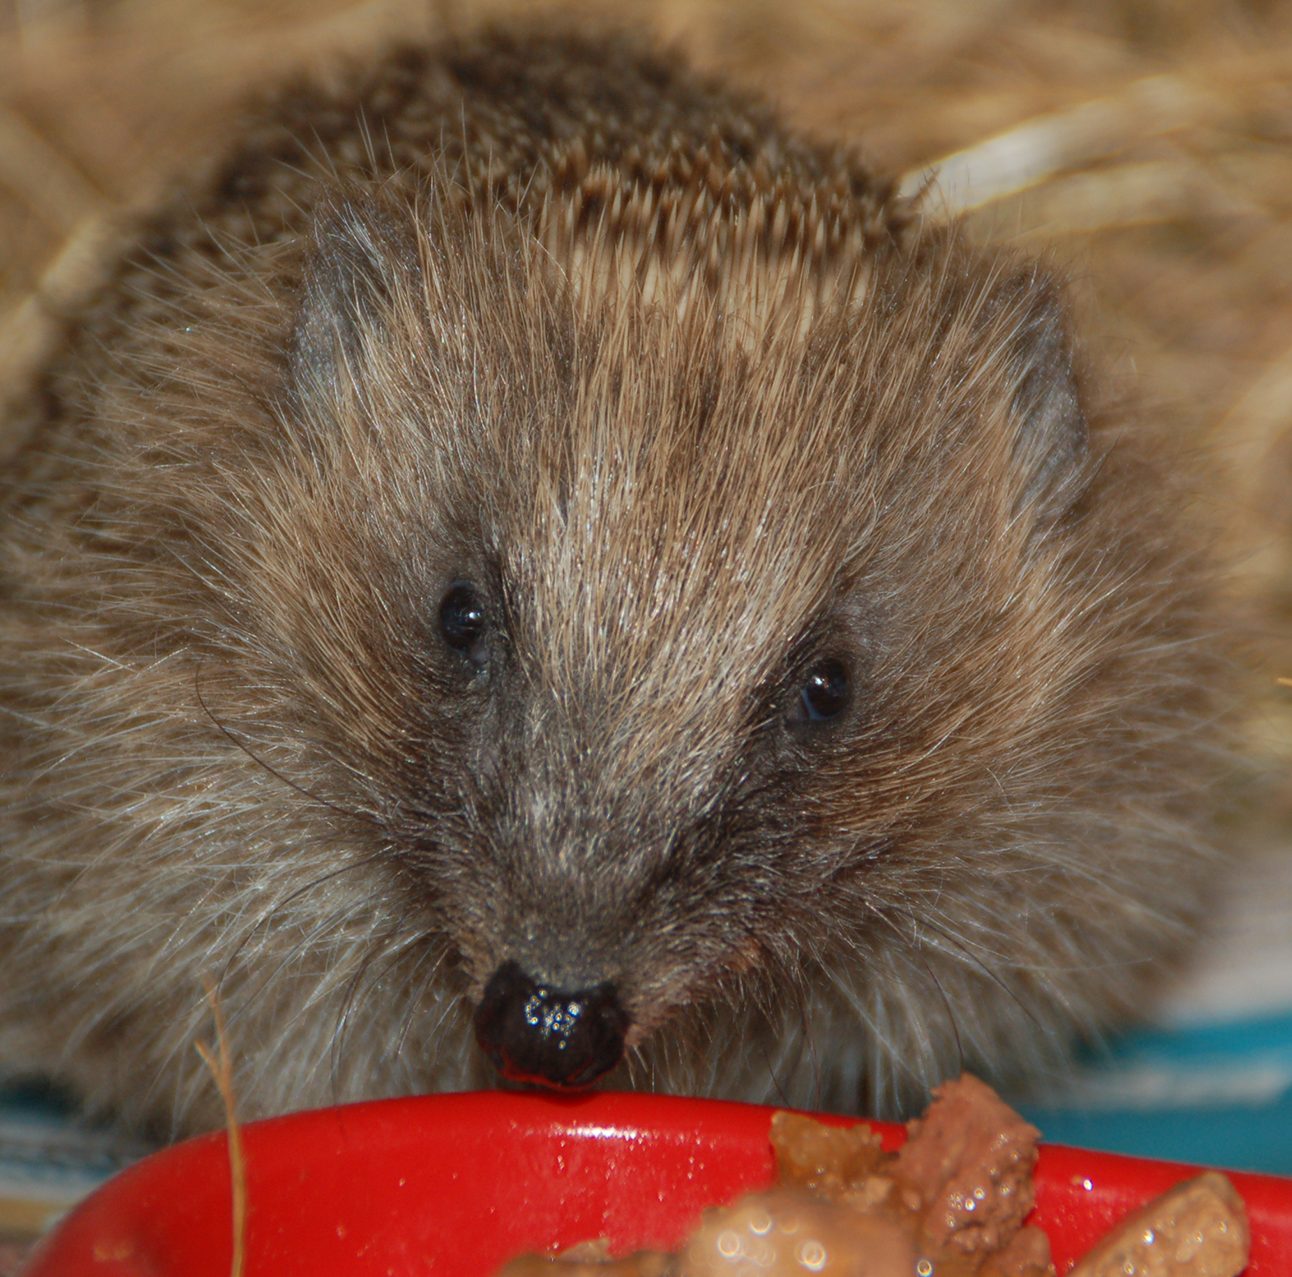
[526,567]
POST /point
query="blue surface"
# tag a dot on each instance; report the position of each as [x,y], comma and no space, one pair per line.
[1219,1094]
[1240,1138]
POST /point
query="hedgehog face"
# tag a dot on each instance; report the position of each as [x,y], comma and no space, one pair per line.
[753,625]
[669,668]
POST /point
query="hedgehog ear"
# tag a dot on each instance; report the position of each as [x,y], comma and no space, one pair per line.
[356,261]
[1051,437]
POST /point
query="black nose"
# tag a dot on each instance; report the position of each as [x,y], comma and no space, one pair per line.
[534,1033]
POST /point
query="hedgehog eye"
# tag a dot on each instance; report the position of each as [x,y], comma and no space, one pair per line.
[825,692]
[463,623]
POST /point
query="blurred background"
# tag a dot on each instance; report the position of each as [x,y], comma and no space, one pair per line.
[1147,144]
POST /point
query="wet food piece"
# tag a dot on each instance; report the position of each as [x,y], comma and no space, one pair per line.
[1196,1229]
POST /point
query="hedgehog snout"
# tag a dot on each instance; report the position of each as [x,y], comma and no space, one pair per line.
[559,1038]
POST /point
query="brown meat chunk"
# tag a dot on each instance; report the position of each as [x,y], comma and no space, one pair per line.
[824,1159]
[970,1157]
[1026,1255]
[789,1233]
[1196,1229]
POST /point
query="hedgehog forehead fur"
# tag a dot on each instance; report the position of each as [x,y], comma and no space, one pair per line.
[630,473]
[690,404]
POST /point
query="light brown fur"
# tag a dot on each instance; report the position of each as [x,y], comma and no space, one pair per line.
[693,402]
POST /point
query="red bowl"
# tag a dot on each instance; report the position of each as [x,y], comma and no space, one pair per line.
[455,1184]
